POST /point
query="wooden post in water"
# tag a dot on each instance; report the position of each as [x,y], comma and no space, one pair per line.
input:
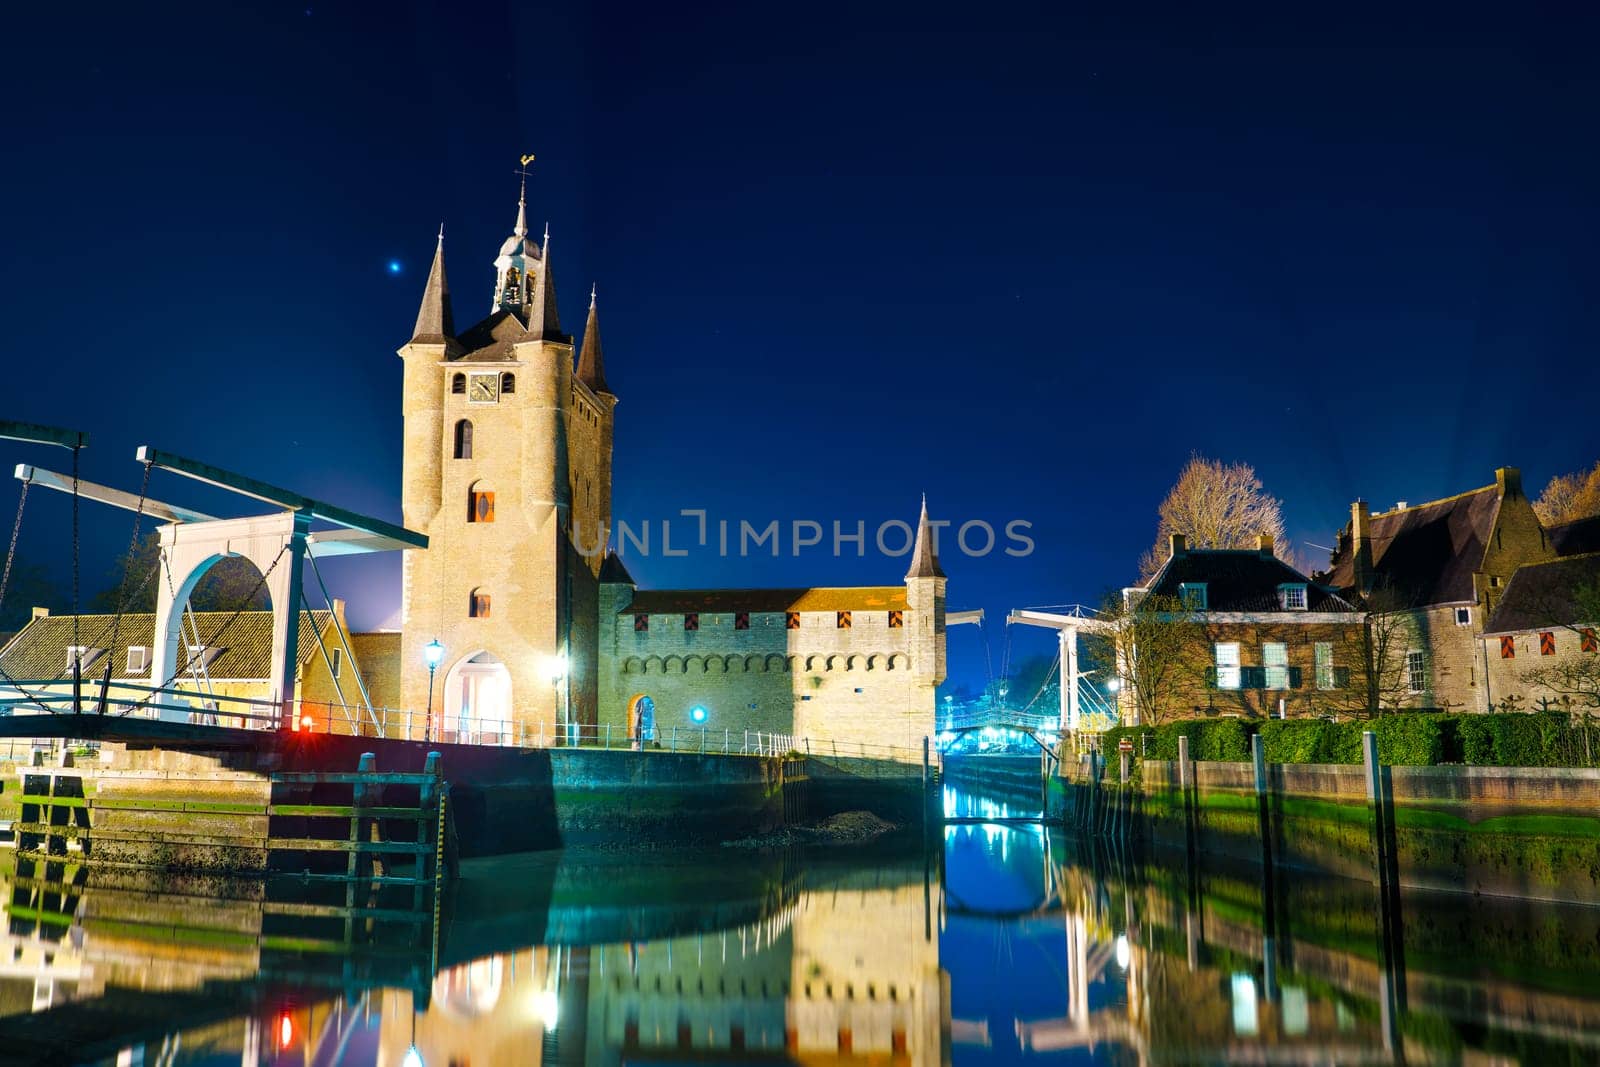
[1391,969]
[1268,874]
[359,799]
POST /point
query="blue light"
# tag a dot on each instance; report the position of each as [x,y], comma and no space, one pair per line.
[394,266]
[698,713]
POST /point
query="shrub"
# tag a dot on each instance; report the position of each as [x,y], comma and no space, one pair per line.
[1414,740]
[1310,741]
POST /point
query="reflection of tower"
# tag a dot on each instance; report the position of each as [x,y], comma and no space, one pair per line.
[866,978]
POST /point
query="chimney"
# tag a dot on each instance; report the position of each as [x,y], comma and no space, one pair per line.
[1401,505]
[1178,544]
[1508,480]
[338,612]
[1361,544]
[1264,544]
[41,613]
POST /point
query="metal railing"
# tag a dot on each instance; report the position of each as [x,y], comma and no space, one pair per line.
[182,705]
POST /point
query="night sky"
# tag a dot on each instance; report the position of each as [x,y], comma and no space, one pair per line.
[1023,260]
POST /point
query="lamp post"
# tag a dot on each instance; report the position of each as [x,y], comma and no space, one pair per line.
[432,653]
[558,675]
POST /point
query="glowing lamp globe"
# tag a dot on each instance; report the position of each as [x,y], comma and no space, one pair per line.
[698,713]
[432,653]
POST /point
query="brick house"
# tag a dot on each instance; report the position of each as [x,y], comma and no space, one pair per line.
[1541,647]
[1265,641]
[1438,571]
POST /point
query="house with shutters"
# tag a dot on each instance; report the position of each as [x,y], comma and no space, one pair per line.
[1260,638]
[1540,647]
[1437,572]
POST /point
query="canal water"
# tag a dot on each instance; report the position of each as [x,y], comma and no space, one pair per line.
[990,943]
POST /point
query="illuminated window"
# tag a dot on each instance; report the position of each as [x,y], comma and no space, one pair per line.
[1416,672]
[1323,653]
[1292,597]
[1547,643]
[458,384]
[1193,595]
[464,439]
[478,605]
[508,383]
[1227,665]
[1275,661]
[480,506]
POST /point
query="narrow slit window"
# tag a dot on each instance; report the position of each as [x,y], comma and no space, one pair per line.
[508,383]
[458,385]
[464,439]
[478,605]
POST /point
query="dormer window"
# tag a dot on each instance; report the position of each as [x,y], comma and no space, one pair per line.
[1193,595]
[138,659]
[82,655]
[1292,596]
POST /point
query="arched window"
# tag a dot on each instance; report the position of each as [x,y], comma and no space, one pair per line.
[464,439]
[478,605]
[458,384]
[508,383]
[480,503]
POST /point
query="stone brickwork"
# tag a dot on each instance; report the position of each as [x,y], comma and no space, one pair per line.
[868,683]
[1508,675]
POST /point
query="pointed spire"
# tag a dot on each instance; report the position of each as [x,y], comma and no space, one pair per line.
[521,229]
[591,361]
[543,321]
[924,558]
[434,321]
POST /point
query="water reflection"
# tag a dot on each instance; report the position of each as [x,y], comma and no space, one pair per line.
[996,943]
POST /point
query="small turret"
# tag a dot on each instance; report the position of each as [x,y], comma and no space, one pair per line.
[435,324]
[924,555]
[544,324]
[591,361]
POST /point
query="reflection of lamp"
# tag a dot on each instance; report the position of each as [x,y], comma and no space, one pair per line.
[1122,951]
[412,1058]
[432,653]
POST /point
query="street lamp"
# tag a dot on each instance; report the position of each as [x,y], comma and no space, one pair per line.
[557,669]
[432,653]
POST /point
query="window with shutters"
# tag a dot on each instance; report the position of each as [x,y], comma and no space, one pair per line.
[1587,641]
[1416,672]
[478,605]
[1508,648]
[1275,663]
[508,383]
[897,620]
[458,385]
[842,620]
[1547,643]
[791,620]
[691,621]
[641,624]
[741,620]
[480,506]
[1227,665]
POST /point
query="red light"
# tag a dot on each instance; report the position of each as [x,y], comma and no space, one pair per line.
[285,1031]
[307,722]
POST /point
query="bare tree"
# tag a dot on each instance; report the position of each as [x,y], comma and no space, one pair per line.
[1569,497]
[1161,653]
[1216,505]
[1381,680]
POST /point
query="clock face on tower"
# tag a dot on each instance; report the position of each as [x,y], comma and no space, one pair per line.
[483,388]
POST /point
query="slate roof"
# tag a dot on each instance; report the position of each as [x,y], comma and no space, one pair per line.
[1541,595]
[612,571]
[1576,538]
[591,359]
[1241,580]
[493,338]
[680,601]
[1427,553]
[39,651]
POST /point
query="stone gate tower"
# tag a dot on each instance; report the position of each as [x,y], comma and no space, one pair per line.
[507,469]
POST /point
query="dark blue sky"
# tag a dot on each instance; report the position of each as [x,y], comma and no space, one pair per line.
[1023,259]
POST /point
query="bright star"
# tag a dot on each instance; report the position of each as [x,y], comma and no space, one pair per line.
[394,266]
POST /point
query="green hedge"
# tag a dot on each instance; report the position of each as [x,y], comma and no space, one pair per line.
[1412,739]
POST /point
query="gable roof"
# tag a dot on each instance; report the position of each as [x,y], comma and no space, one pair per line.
[1239,579]
[681,601]
[1576,537]
[1426,553]
[492,338]
[1547,594]
[39,651]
